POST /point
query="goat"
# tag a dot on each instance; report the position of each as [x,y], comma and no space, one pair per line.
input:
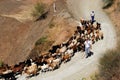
[66,57]
[98,26]
[49,60]
[17,69]
[63,49]
[55,64]
[54,48]
[8,75]
[70,51]
[44,67]
[58,60]
[28,62]
[101,34]
[31,70]
[95,25]
[97,35]
[93,38]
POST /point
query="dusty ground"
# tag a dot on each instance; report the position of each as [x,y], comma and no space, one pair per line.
[18,32]
[80,67]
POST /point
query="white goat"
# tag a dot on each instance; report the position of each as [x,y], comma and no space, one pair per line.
[69,51]
[44,68]
[63,49]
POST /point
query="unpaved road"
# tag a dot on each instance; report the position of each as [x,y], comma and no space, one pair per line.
[79,66]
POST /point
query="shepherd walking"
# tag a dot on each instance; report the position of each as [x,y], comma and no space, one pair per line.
[88,46]
[92,17]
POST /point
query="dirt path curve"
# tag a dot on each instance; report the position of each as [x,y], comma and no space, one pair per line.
[79,66]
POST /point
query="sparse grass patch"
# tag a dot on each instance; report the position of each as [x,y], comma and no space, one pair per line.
[107,3]
[43,44]
[38,10]
[43,47]
[41,40]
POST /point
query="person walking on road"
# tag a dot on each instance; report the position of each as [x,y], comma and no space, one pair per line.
[88,46]
[92,16]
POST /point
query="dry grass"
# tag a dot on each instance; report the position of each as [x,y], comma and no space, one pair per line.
[42,40]
[39,9]
[109,68]
[110,65]
[42,45]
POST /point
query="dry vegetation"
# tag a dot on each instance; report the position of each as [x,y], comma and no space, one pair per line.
[109,68]
[110,65]
[39,9]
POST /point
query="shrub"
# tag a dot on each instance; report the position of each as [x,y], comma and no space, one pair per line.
[110,66]
[41,40]
[39,9]
[107,3]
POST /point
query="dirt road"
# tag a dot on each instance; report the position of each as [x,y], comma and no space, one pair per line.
[80,67]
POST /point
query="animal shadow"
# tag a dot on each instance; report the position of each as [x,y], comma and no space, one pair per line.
[32,75]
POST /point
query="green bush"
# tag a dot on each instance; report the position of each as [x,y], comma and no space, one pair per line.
[110,66]
[41,40]
[39,9]
[107,3]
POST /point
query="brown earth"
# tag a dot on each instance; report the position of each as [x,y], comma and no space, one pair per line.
[114,13]
[18,32]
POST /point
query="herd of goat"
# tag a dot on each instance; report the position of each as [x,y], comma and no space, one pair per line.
[58,54]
